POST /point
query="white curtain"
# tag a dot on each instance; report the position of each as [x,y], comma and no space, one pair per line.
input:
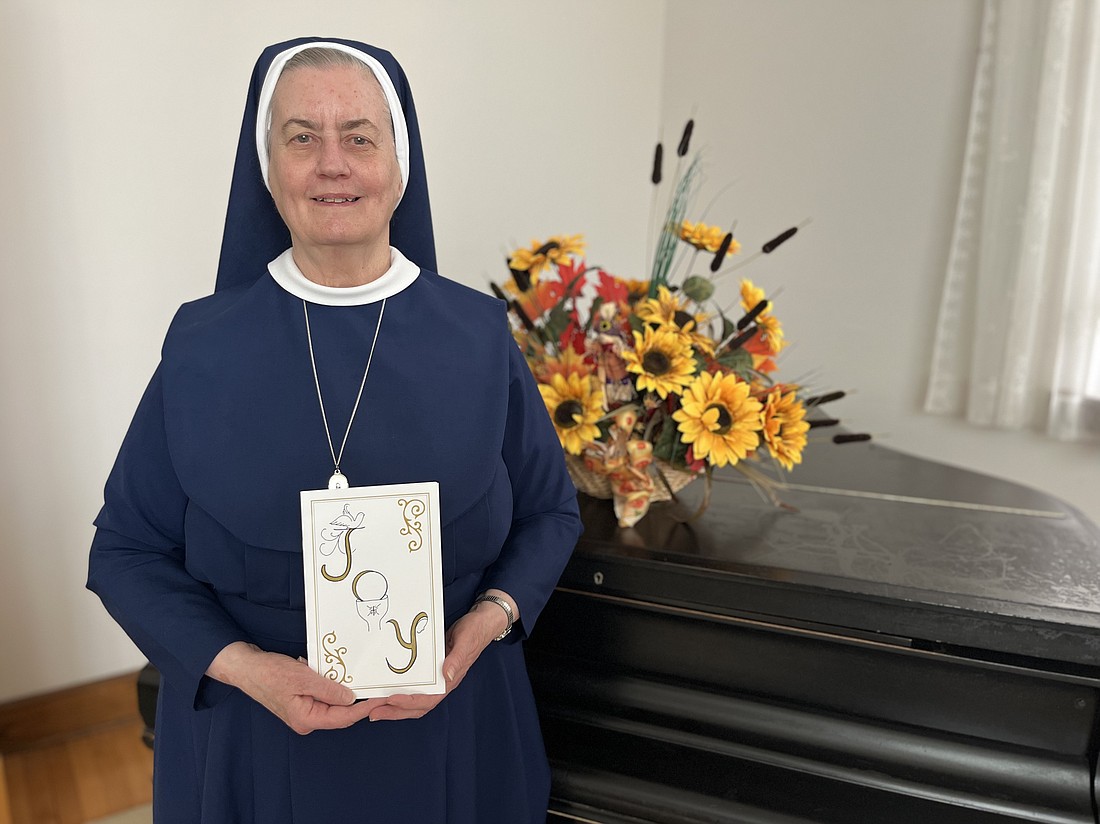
[1018,339]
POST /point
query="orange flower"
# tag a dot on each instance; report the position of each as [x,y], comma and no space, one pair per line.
[541,297]
[706,238]
[785,427]
[566,364]
[771,332]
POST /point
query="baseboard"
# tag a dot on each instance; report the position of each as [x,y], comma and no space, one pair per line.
[47,719]
[5,802]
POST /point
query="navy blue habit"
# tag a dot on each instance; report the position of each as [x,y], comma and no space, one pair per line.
[199,541]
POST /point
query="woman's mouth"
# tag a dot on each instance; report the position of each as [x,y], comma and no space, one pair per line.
[335,199]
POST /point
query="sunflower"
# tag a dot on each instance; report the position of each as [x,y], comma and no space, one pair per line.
[706,238]
[565,246]
[540,255]
[784,427]
[668,309]
[574,406]
[751,294]
[613,288]
[662,359]
[771,331]
[566,364]
[719,418]
[635,289]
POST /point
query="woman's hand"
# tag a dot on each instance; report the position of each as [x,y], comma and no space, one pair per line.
[304,700]
[466,639]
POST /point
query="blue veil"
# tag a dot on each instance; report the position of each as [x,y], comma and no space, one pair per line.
[254,232]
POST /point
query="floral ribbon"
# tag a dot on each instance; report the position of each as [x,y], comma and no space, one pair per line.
[625,461]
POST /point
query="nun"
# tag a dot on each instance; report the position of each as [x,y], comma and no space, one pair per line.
[330,349]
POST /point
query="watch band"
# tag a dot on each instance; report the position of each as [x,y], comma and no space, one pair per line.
[504,605]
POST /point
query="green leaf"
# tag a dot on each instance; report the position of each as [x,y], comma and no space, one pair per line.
[556,322]
[739,361]
[679,454]
[728,326]
[664,445]
[698,288]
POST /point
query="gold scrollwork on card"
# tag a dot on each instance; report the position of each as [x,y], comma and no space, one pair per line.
[334,657]
[411,510]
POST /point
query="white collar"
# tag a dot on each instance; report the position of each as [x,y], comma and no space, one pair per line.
[397,278]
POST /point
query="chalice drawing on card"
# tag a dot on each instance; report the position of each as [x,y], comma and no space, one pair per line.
[372,599]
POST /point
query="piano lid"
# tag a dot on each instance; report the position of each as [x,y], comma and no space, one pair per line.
[882,543]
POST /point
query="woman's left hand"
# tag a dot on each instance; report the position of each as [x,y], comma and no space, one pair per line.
[466,639]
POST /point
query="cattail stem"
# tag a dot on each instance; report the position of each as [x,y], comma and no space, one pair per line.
[753,314]
[723,250]
[741,264]
[766,249]
[821,400]
[861,437]
[526,321]
[764,485]
[658,154]
[736,341]
[522,278]
[685,139]
[778,240]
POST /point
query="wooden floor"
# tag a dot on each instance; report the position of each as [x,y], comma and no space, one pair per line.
[73,756]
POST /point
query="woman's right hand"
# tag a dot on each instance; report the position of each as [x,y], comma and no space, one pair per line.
[304,700]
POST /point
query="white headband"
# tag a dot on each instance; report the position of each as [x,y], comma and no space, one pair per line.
[397,115]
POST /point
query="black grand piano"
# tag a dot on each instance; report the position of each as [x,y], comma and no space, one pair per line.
[916,643]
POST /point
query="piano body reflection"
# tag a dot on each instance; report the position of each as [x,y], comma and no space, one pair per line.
[916,643]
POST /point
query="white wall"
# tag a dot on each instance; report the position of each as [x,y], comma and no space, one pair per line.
[853,113]
[122,119]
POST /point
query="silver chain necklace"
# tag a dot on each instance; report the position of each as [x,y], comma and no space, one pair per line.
[338,479]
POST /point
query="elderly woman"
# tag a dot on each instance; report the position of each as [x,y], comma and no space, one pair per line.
[261,393]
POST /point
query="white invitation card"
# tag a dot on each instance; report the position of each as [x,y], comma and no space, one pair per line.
[374,592]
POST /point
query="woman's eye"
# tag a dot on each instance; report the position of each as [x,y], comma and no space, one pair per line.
[302,138]
[359,140]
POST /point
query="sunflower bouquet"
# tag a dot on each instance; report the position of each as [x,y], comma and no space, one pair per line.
[651,383]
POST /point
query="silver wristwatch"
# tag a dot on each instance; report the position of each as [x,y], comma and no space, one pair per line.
[504,605]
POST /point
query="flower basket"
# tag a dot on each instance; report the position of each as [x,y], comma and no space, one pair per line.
[653,383]
[598,485]
[588,481]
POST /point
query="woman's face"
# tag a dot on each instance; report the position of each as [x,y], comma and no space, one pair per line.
[333,168]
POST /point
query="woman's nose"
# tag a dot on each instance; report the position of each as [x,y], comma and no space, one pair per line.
[331,162]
